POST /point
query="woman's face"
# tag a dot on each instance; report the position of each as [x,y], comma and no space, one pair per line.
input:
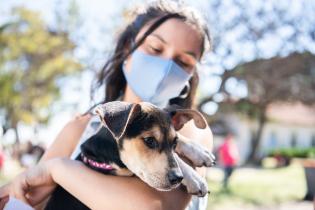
[173,39]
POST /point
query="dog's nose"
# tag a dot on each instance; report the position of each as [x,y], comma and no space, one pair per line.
[175,176]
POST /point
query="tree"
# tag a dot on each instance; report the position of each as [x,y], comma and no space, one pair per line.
[279,79]
[250,33]
[33,61]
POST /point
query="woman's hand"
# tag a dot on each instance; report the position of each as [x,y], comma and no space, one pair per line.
[32,186]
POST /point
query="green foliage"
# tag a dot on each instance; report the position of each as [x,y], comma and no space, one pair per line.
[294,152]
[32,60]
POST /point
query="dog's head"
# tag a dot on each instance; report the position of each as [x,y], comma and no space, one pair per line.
[146,137]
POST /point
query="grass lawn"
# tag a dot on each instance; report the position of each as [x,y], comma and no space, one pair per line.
[257,187]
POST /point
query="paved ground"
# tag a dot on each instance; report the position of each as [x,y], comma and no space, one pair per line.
[286,206]
[293,206]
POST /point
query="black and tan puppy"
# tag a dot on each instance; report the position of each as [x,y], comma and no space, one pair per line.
[140,139]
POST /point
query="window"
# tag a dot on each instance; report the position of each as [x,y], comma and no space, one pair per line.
[293,140]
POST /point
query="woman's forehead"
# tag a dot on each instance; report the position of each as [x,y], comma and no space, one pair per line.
[178,34]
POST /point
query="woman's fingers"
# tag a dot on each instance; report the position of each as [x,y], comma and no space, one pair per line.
[17,188]
[32,186]
[3,201]
[14,189]
[39,194]
[39,176]
[20,190]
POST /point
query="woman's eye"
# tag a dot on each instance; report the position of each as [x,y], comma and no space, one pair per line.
[155,50]
[188,67]
[183,64]
[151,142]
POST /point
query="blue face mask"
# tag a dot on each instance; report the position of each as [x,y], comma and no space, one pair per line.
[155,79]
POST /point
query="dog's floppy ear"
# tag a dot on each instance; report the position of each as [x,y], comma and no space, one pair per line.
[181,116]
[116,116]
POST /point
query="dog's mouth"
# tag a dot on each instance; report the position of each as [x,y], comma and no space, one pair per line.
[157,181]
[168,188]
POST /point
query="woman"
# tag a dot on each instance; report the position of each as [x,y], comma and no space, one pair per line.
[154,60]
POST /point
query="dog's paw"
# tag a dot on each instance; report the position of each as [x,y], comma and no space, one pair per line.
[198,155]
[195,184]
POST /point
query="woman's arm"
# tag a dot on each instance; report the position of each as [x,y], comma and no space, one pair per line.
[94,189]
[113,192]
[63,146]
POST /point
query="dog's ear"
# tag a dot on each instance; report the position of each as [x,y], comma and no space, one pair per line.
[181,116]
[117,115]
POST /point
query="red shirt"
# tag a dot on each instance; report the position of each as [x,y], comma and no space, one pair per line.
[228,153]
[1,159]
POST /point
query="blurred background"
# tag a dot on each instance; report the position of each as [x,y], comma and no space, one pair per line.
[257,89]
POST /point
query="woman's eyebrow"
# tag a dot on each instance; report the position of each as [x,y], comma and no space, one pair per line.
[159,37]
[186,52]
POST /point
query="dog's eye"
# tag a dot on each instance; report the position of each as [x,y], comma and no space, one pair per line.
[151,142]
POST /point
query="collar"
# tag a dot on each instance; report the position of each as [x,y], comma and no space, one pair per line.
[96,164]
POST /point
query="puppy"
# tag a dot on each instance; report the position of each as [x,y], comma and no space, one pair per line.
[140,139]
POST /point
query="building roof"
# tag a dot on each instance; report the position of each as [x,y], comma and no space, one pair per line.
[296,113]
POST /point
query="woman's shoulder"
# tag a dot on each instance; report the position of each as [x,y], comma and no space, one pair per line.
[80,120]
[67,139]
[78,123]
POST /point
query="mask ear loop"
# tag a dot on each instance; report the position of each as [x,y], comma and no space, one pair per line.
[185,94]
[133,44]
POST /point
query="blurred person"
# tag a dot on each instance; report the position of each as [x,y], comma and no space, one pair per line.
[2,158]
[155,60]
[229,157]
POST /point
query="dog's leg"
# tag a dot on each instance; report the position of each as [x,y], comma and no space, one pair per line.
[194,183]
[195,153]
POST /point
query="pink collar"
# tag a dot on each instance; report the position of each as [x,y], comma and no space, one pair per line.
[96,164]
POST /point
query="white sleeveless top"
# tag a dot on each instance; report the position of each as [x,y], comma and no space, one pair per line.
[196,203]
